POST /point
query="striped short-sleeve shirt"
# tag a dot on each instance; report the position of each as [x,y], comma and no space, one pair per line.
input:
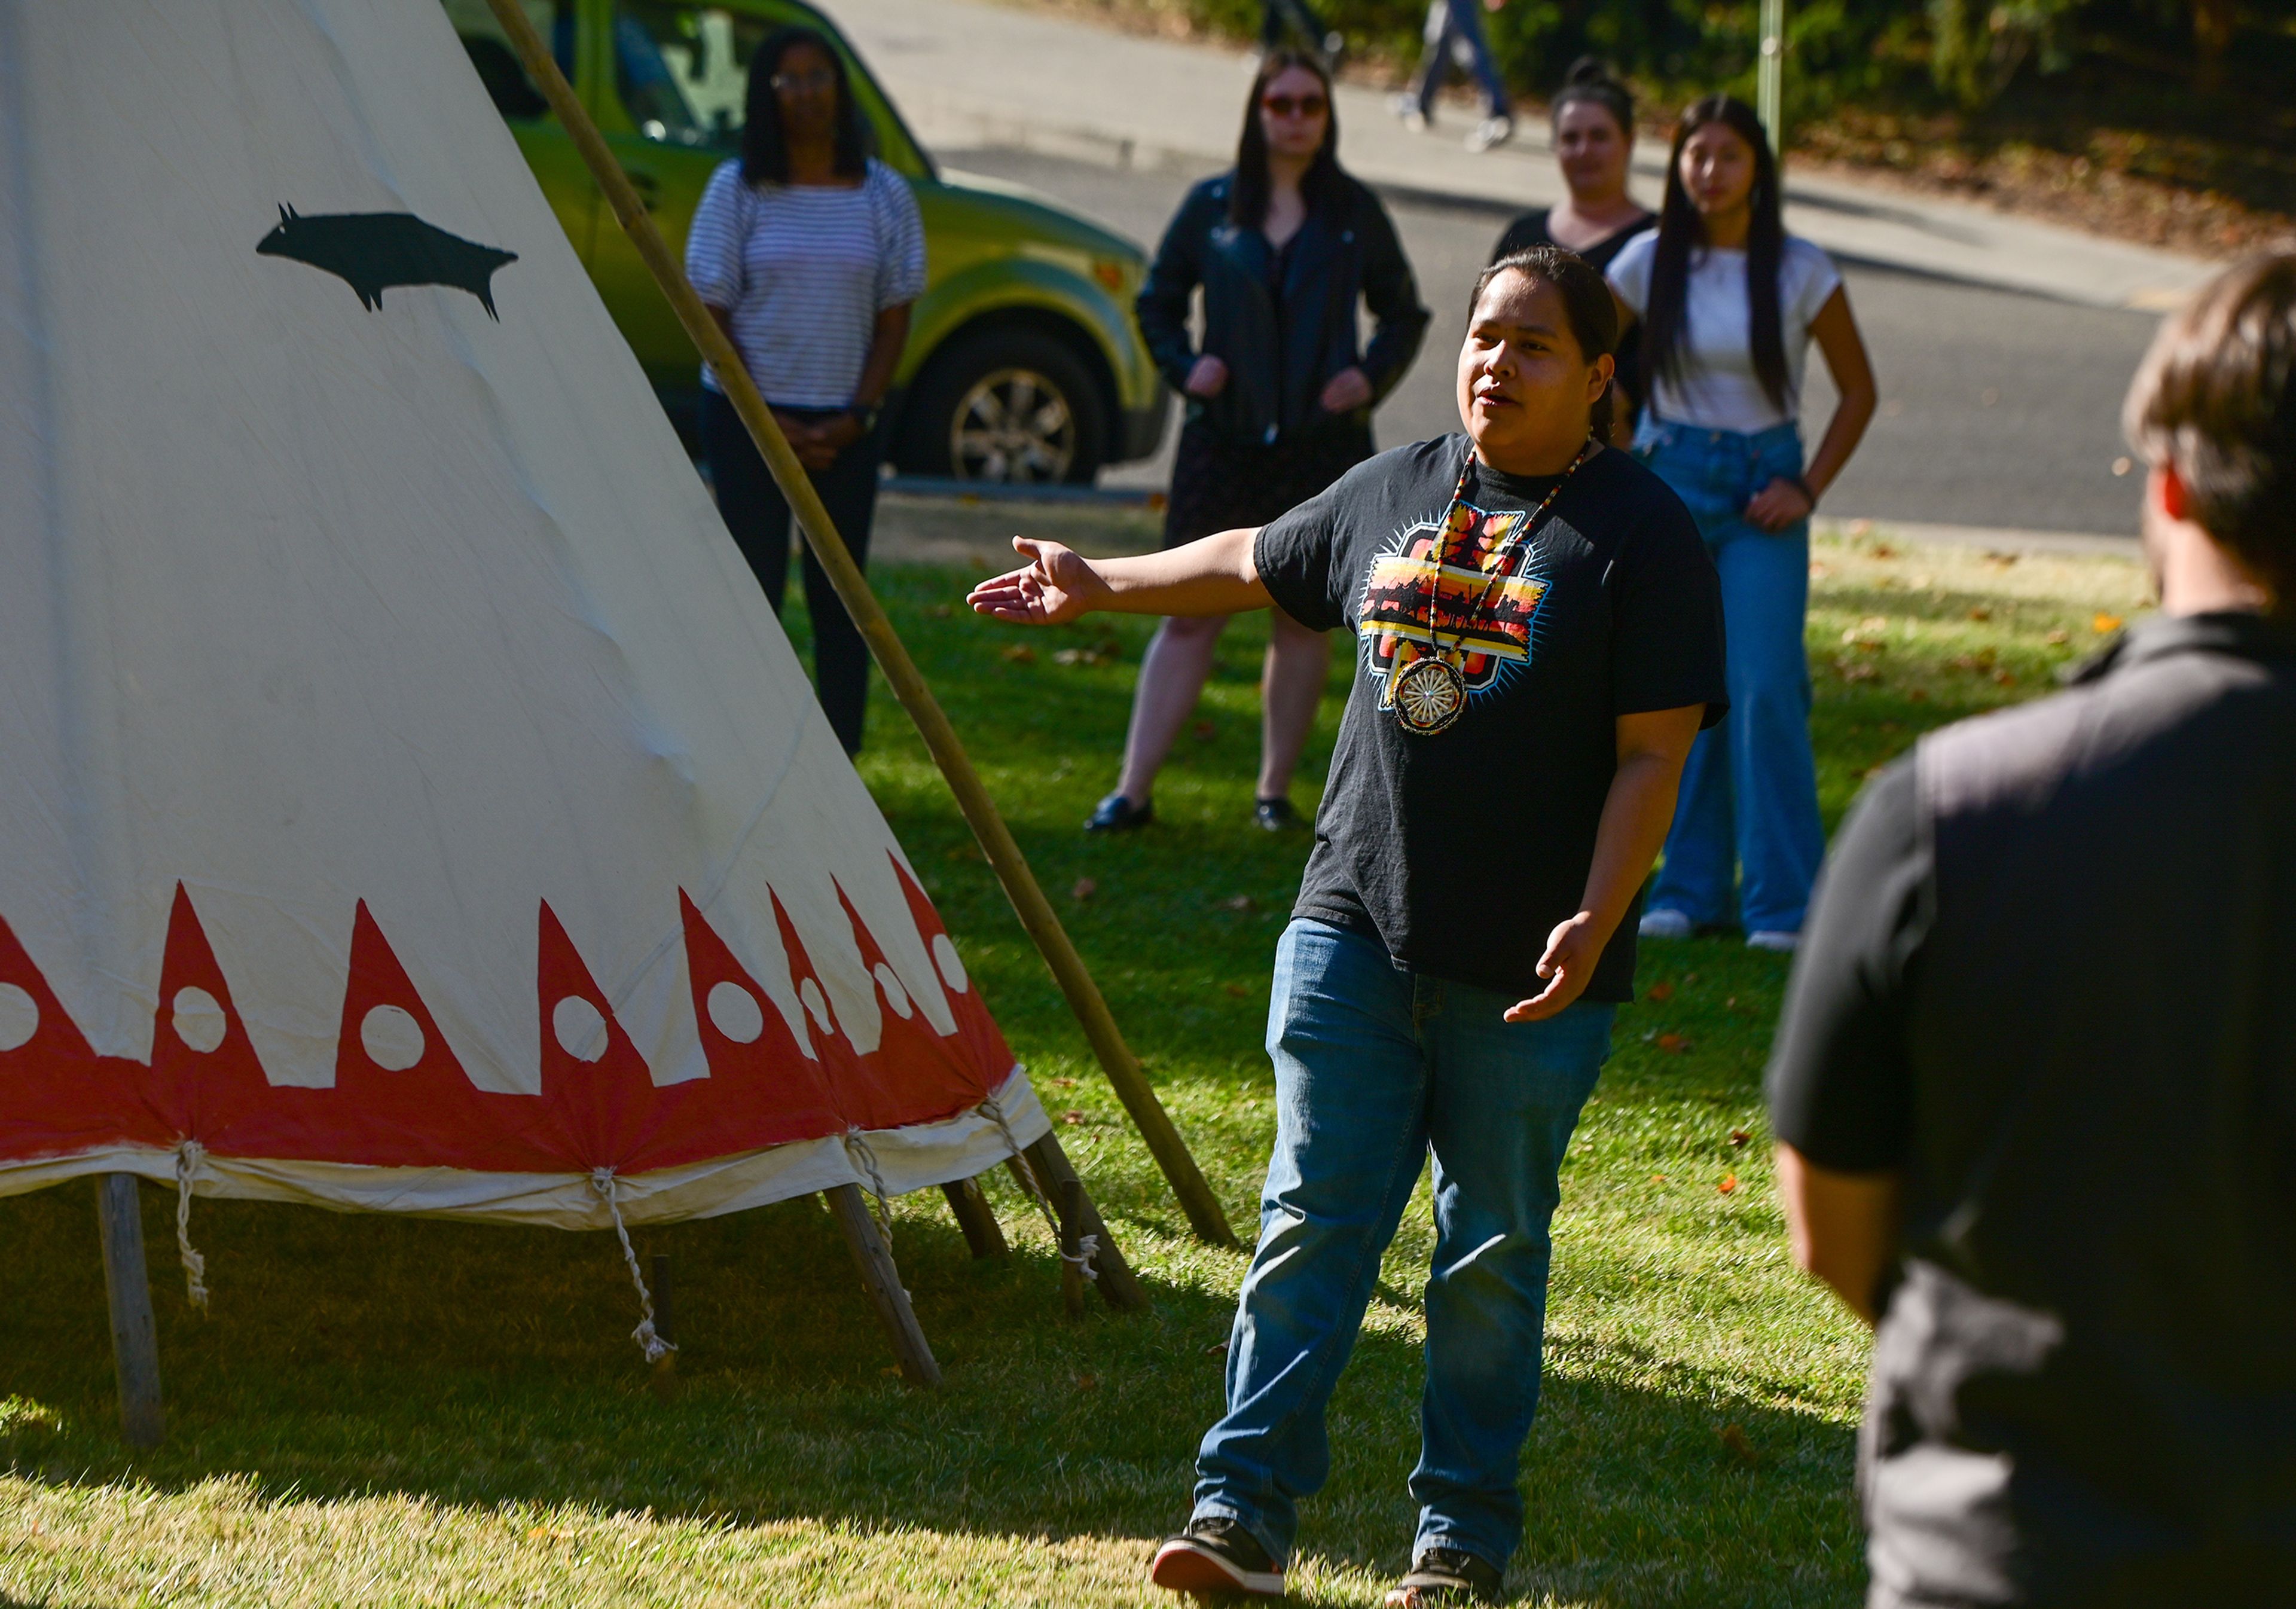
[804,270]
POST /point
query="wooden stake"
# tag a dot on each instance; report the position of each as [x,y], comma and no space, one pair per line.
[1034,911]
[1118,1285]
[882,1281]
[665,1368]
[982,1232]
[128,1289]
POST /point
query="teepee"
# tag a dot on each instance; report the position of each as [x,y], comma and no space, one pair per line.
[407,800]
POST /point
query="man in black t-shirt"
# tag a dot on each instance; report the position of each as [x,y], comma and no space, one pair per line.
[1538,639]
[2035,1087]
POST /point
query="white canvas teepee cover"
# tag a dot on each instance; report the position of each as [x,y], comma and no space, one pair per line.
[407,798]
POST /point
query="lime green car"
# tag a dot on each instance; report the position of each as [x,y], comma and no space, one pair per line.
[1024,361]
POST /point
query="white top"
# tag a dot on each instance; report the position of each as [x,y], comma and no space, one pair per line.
[1718,390]
[805,269]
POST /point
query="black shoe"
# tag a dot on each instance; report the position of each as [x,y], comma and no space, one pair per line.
[1448,1575]
[1118,814]
[1216,1555]
[1274,815]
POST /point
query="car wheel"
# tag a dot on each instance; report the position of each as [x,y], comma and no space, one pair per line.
[1007,404]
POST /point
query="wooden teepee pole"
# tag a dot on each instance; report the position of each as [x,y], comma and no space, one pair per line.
[1035,912]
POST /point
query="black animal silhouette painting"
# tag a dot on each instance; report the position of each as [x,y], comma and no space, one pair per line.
[371,251]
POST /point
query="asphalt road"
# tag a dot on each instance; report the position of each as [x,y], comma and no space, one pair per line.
[1999,409]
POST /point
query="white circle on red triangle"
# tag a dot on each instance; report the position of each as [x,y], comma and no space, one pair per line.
[198,1019]
[896,996]
[391,1038]
[735,1011]
[580,1027]
[816,1002]
[19,1017]
[952,970]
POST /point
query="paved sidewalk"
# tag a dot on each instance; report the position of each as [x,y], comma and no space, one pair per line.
[966,73]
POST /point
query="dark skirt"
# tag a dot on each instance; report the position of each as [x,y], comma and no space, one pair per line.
[1222,485]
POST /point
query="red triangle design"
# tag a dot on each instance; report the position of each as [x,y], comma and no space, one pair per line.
[768,1091]
[915,1075]
[984,1044]
[57,1097]
[608,1110]
[203,1094]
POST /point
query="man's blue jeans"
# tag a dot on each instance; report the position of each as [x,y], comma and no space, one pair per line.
[1748,801]
[1454,33]
[1374,1068]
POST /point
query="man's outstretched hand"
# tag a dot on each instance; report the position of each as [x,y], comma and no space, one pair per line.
[1059,584]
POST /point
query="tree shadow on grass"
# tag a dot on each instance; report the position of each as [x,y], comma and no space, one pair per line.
[483,1366]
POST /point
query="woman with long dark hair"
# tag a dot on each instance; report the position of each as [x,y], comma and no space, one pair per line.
[809,251]
[1729,304]
[1279,395]
[1540,637]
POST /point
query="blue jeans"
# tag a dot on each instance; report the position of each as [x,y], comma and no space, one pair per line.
[1374,1068]
[1455,33]
[1749,792]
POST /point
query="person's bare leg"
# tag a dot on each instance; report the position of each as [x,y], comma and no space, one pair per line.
[1290,686]
[1172,676]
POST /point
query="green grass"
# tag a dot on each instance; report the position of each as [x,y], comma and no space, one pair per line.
[382,1410]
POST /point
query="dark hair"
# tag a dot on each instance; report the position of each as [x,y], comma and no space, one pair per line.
[1591,81]
[1587,305]
[1247,198]
[765,154]
[1679,228]
[2216,398]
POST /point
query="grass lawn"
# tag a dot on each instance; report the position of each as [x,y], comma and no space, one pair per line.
[384,1410]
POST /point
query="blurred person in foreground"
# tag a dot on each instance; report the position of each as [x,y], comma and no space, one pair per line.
[1539,635]
[1279,397]
[2035,1087]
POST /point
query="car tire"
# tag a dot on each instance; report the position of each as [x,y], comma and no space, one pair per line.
[1006,404]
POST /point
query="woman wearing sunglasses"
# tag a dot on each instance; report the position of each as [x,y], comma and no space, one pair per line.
[1540,638]
[1279,395]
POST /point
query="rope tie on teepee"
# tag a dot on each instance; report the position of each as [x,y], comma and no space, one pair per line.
[858,1148]
[602,1180]
[189,1157]
[1087,1245]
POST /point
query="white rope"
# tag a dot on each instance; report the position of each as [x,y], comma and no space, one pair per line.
[651,1344]
[856,1146]
[189,1156]
[1087,1245]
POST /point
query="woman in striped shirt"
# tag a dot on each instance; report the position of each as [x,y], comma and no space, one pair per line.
[810,251]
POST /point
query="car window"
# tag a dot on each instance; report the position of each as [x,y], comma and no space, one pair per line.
[682,70]
[513,93]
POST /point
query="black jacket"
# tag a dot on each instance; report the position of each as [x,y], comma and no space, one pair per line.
[1280,353]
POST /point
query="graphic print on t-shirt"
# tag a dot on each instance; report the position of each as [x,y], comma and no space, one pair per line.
[1484,607]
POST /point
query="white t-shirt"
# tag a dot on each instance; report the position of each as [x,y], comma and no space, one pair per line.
[804,270]
[1718,390]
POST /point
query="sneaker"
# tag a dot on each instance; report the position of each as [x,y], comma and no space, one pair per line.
[1776,943]
[1118,814]
[1660,923]
[1489,133]
[1410,113]
[1274,815]
[1216,1555]
[1448,1575]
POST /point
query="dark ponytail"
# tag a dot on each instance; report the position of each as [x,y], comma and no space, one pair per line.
[1586,306]
[1590,79]
[1680,228]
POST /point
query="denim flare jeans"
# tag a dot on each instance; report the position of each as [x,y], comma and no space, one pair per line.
[1374,1068]
[1749,803]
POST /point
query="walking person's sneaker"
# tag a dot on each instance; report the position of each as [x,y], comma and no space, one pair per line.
[1118,814]
[1489,133]
[1409,112]
[1443,1576]
[1217,1555]
[1274,815]
[1661,922]
[1775,942]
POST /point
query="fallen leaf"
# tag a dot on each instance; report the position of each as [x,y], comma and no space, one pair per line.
[1079,656]
[1659,993]
[1882,550]
[1073,1117]
[940,612]
[1734,1443]
[2059,638]
[1730,1002]
[1237,902]
[1980,612]
[1739,1136]
[1673,1044]
[965,852]
[2105,623]
[1729,1183]
[1017,653]
[1204,730]
[2004,678]
[1217,1349]
[1087,1382]
[1690,977]
[1861,528]
[1238,990]
[1064,1083]
[1919,696]
[1657,1179]
[1085,889]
